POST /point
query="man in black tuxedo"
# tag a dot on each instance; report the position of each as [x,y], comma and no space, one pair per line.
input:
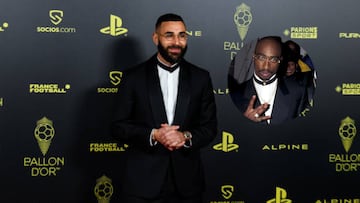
[268,97]
[166,114]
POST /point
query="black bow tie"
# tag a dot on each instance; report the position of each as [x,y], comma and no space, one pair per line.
[170,69]
[264,82]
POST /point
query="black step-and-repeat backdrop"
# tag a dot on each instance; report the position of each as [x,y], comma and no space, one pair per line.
[61,65]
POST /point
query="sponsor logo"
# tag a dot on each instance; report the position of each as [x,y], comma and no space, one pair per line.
[338,200]
[220,91]
[115,28]
[227,143]
[107,147]
[348,89]
[4,26]
[280,196]
[345,162]
[44,166]
[115,79]
[56,18]
[50,88]
[103,189]
[194,33]
[242,19]
[227,192]
[349,35]
[302,32]
[285,147]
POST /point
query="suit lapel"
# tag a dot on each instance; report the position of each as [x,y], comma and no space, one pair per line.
[280,109]
[154,93]
[257,101]
[252,91]
[183,96]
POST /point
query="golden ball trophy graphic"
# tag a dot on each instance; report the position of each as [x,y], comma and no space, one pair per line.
[103,189]
[44,133]
[347,132]
[242,19]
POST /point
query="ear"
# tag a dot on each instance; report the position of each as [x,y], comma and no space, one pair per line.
[155,38]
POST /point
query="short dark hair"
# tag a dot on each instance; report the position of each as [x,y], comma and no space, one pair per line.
[275,39]
[296,50]
[168,17]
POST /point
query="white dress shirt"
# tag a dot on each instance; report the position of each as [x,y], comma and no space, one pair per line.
[266,94]
[169,87]
[169,82]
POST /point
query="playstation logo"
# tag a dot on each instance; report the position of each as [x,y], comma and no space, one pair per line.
[227,143]
[115,28]
[280,196]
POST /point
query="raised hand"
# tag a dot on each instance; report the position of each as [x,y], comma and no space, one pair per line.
[256,113]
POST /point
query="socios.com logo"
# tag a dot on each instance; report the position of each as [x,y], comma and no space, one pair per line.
[115,77]
[115,28]
[56,16]
[227,191]
[227,143]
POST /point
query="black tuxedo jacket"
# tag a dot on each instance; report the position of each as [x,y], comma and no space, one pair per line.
[141,108]
[290,99]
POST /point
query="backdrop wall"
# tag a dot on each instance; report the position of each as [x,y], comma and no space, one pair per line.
[61,65]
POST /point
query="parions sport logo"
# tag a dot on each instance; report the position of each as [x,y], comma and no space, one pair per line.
[352,89]
[304,32]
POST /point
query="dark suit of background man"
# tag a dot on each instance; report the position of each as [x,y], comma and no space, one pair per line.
[268,97]
[167,113]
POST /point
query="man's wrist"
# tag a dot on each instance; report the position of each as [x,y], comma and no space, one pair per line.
[153,137]
[187,135]
[153,140]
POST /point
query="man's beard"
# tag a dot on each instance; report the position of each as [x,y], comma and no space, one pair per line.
[172,59]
